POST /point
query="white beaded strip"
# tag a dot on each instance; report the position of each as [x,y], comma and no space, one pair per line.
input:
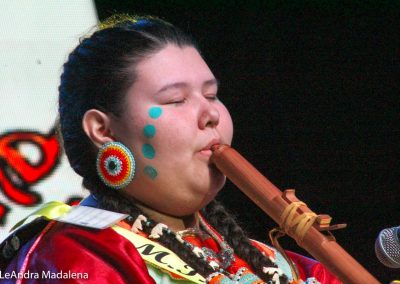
[157,231]
[178,236]
[275,278]
[272,270]
[275,272]
[214,265]
[199,252]
[137,225]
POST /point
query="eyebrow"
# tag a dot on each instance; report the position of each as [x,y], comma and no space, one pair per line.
[180,85]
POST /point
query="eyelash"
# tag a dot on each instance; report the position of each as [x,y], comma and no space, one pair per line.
[177,102]
[181,101]
[213,98]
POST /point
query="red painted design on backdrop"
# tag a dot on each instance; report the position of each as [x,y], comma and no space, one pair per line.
[17,173]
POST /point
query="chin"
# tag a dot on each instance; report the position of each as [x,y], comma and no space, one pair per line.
[216,186]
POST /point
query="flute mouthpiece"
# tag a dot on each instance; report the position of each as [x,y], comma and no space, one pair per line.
[215,147]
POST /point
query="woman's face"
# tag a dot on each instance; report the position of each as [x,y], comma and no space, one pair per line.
[170,120]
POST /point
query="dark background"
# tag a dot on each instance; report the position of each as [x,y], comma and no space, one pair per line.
[313,91]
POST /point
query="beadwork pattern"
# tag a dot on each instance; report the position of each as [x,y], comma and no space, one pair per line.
[115,165]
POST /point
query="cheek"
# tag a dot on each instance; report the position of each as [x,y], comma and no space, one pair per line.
[147,139]
[160,131]
[175,126]
[172,133]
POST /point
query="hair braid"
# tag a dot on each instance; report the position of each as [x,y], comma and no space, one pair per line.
[185,253]
[227,226]
[114,201]
[215,214]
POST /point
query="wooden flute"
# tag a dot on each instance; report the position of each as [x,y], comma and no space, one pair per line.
[322,246]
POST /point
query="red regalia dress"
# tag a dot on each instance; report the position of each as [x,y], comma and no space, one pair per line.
[84,255]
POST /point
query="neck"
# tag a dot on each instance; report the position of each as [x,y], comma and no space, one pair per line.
[174,223]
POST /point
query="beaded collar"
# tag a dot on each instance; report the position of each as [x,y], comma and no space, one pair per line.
[227,268]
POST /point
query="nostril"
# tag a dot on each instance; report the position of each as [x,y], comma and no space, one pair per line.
[210,124]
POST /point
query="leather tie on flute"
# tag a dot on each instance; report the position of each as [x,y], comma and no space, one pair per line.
[284,206]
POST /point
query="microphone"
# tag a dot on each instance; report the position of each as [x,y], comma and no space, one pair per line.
[387,247]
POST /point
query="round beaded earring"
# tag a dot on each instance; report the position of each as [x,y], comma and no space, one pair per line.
[115,165]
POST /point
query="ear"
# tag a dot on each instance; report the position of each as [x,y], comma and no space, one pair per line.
[96,125]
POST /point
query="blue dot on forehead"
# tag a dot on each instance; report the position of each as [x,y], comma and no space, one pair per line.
[155,112]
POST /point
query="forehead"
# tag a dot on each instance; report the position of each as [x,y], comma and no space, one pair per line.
[170,65]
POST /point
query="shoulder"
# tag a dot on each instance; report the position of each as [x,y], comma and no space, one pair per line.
[99,254]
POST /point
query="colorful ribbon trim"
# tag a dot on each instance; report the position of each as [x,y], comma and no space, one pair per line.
[152,252]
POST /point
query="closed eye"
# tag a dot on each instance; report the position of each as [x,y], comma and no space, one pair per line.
[176,101]
[212,97]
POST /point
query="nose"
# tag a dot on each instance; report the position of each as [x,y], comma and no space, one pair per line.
[209,115]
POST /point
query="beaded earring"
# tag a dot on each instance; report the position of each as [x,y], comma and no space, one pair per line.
[115,165]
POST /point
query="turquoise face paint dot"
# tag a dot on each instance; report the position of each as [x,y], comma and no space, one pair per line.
[148,151]
[155,112]
[149,131]
[150,172]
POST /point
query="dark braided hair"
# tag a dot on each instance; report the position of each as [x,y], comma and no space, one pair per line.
[227,226]
[113,201]
[217,216]
[97,75]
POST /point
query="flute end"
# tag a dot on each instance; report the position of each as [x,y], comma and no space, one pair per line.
[217,147]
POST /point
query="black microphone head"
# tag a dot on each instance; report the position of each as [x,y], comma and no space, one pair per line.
[387,247]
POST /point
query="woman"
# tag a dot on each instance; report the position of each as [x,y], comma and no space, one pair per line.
[138,113]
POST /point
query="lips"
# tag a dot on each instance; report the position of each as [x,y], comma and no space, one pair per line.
[206,150]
